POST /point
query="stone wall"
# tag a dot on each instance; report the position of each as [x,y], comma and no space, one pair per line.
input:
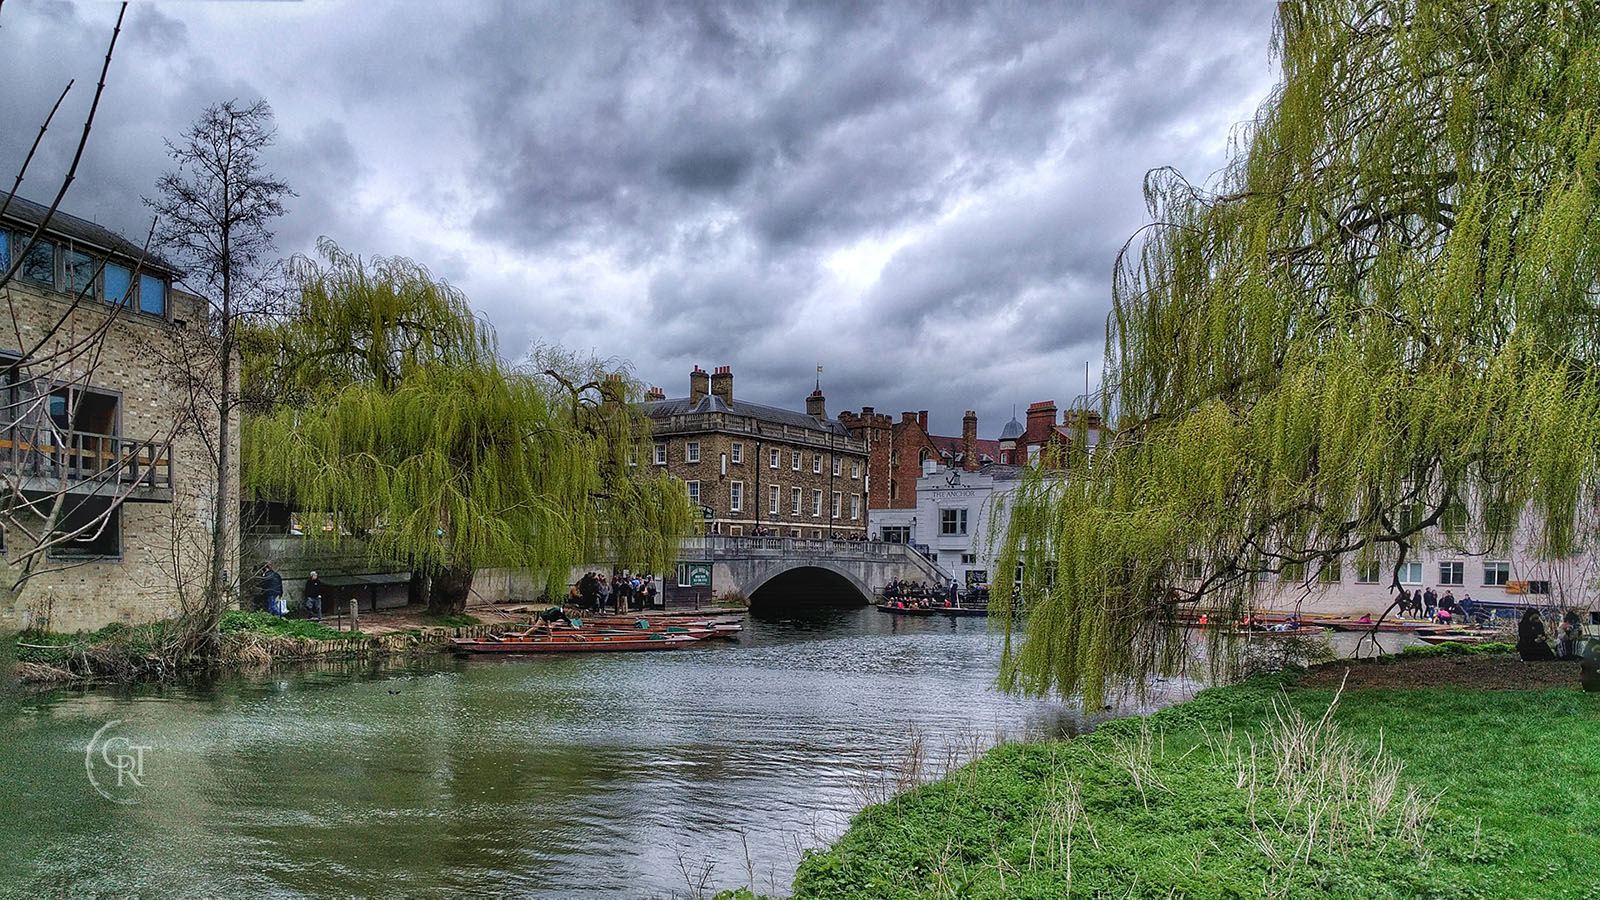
[756,476]
[165,543]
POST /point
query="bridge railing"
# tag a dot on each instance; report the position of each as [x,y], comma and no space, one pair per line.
[791,546]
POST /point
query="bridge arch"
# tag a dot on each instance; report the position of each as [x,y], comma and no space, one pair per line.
[788,584]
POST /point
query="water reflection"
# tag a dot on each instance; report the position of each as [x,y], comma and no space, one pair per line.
[609,776]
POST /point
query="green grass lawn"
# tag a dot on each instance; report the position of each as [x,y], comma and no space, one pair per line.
[1427,792]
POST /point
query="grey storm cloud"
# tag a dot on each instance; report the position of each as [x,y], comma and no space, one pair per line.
[926,199]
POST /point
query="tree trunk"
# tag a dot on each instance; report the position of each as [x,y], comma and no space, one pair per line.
[417,590]
[448,596]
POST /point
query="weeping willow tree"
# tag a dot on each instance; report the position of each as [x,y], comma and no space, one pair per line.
[1380,317]
[381,405]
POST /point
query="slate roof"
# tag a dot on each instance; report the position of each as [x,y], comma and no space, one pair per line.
[954,447]
[679,406]
[1012,431]
[21,212]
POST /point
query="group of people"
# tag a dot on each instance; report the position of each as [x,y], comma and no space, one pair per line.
[900,589]
[595,592]
[272,589]
[1533,642]
[1445,610]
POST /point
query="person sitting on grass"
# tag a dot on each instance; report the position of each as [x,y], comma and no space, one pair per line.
[1567,634]
[1532,643]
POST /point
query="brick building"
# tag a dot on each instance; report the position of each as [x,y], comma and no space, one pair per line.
[754,467]
[92,416]
[896,452]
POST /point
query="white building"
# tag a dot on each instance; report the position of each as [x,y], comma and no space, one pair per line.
[951,522]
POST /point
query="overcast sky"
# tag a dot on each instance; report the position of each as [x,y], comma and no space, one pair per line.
[925,199]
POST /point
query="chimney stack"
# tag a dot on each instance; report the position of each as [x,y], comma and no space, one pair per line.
[699,386]
[1041,418]
[722,384]
[969,441]
[816,406]
[922,421]
[655,393]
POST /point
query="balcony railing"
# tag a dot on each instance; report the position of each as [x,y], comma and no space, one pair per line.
[78,458]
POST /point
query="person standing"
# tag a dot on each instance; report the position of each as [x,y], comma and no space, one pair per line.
[313,597]
[1430,601]
[272,587]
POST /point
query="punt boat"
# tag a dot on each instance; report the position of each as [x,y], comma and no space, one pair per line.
[578,642]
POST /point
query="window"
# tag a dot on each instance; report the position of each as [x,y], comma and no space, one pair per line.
[735,496]
[953,521]
[1411,573]
[794,459]
[1496,574]
[1368,573]
[774,459]
[691,452]
[118,284]
[855,470]
[1454,520]
[794,504]
[968,559]
[96,529]
[1331,572]
[633,456]
[1452,573]
[736,530]
[661,454]
[1005,457]
[38,264]
[855,506]
[816,503]
[816,463]
[1294,573]
[1191,569]
[694,491]
[80,273]
[736,454]
[838,501]
[773,494]
[1534,587]
[152,295]
[1497,519]
[836,463]
[5,251]
[1409,517]
[894,458]
[894,489]
[816,533]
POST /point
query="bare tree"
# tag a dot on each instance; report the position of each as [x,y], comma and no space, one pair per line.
[51,468]
[214,213]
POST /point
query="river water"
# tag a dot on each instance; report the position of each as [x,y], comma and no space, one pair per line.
[629,775]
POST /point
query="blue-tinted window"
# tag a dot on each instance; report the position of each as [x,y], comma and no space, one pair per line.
[5,252]
[118,282]
[38,264]
[80,272]
[152,295]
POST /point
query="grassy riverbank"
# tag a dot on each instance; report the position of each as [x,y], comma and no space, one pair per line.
[1257,790]
[128,653]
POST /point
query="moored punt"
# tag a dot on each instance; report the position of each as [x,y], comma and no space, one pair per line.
[954,611]
[578,642]
[1387,625]
[1453,637]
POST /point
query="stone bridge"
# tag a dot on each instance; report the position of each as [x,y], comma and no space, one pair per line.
[802,570]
